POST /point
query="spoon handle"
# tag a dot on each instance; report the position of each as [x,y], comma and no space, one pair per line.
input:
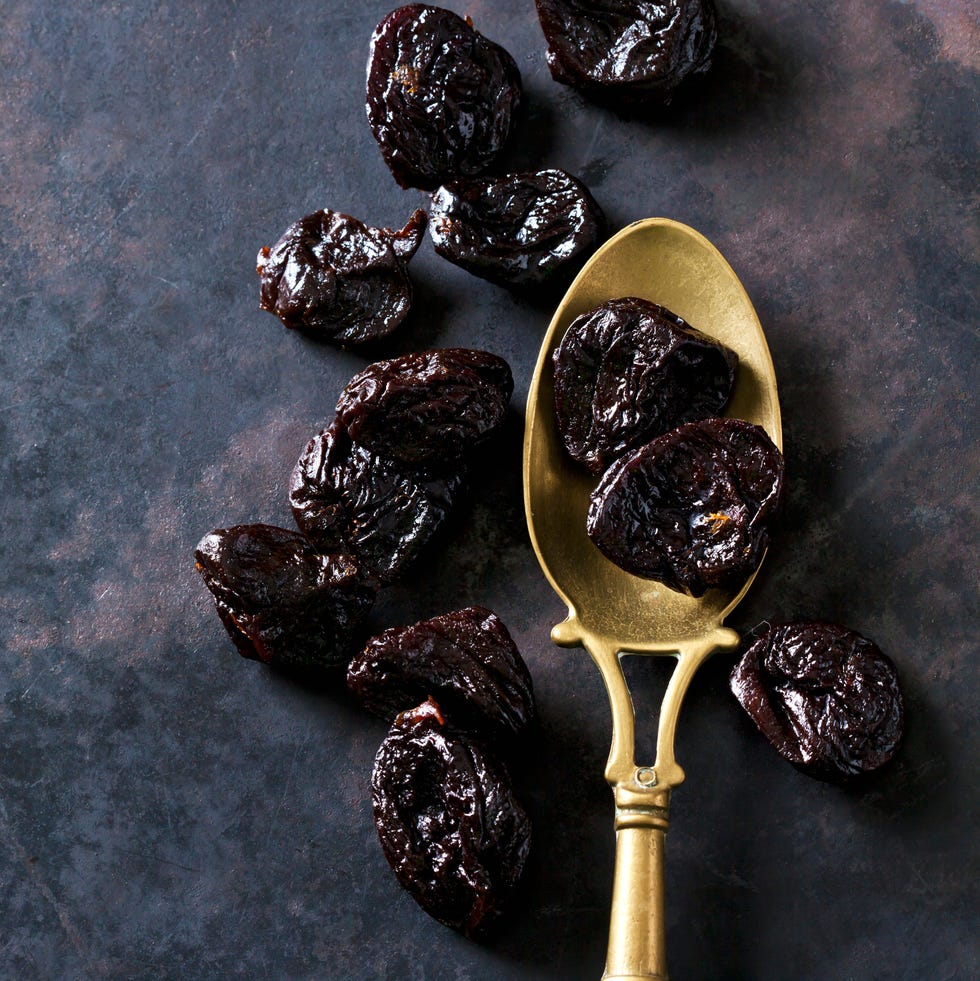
[637,935]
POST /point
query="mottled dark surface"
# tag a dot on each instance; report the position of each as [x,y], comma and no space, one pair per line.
[170,810]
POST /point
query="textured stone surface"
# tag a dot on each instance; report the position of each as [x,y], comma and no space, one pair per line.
[168,810]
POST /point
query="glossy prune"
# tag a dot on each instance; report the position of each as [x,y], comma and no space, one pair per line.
[691,509]
[518,230]
[629,370]
[347,499]
[339,280]
[631,51]
[449,824]
[281,601]
[827,698]
[441,98]
[429,408]
[466,660]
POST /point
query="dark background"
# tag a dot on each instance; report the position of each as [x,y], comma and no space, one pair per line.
[169,810]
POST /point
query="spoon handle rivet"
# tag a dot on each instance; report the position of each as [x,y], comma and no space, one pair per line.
[646,776]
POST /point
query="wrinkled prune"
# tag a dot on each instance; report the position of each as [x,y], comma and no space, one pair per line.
[631,51]
[692,508]
[466,660]
[429,408]
[630,370]
[826,698]
[449,824]
[441,98]
[338,279]
[282,602]
[517,230]
[347,499]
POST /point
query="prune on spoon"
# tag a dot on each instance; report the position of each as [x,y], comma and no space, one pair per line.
[693,508]
[448,821]
[827,698]
[339,280]
[630,51]
[441,98]
[629,370]
[466,660]
[429,408]
[518,230]
[281,601]
[345,498]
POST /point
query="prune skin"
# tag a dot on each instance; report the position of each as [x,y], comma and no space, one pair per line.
[692,509]
[429,408]
[281,601]
[518,230]
[347,499]
[441,98]
[827,698]
[466,660]
[339,280]
[448,821]
[628,371]
[630,51]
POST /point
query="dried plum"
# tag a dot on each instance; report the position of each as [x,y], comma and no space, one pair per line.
[466,660]
[281,601]
[517,230]
[691,509]
[347,499]
[441,98]
[448,821]
[427,408]
[630,51]
[630,370]
[338,279]
[827,698]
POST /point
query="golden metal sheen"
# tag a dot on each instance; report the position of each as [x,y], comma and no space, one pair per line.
[610,612]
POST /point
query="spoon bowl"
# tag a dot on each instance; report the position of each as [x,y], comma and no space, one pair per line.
[610,611]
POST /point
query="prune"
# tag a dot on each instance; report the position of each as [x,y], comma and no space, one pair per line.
[347,499]
[629,51]
[630,370]
[441,98]
[517,230]
[466,660]
[448,821]
[826,698]
[692,508]
[338,279]
[282,602]
[427,408]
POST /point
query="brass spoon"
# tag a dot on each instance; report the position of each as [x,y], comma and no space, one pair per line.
[611,612]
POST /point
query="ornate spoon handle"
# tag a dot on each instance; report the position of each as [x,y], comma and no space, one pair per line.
[637,934]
